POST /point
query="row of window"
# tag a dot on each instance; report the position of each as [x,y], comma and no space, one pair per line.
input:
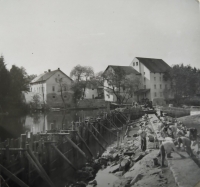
[38,89]
[154,78]
[64,88]
[155,86]
[135,63]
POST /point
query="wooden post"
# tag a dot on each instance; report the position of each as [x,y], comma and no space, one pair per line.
[16,173]
[63,156]
[13,177]
[117,139]
[85,144]
[75,146]
[42,174]
[99,133]
[112,123]
[96,139]
[38,163]
[107,129]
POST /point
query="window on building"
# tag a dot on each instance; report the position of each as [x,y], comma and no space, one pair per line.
[65,96]
[144,79]
[144,73]
[154,86]
[160,94]
[160,86]
[54,96]
[154,78]
[136,63]
[133,63]
[155,94]
[53,88]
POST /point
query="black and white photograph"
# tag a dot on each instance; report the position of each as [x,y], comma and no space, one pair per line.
[99,93]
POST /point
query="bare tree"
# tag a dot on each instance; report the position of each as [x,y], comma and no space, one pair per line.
[63,88]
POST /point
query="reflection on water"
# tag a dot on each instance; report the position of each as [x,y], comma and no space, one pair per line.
[13,127]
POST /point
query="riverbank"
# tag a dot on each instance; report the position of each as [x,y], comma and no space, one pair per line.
[128,165]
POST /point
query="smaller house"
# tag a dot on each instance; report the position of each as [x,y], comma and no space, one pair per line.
[129,73]
[93,91]
[54,87]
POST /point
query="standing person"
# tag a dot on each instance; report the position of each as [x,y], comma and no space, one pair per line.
[166,148]
[186,143]
[143,135]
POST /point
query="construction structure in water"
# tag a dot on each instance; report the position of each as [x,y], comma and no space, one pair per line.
[35,157]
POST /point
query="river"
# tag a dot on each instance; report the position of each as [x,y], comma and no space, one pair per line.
[14,126]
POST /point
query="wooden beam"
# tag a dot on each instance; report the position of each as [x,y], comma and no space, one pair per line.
[63,156]
[42,174]
[76,147]
[85,144]
[16,173]
[95,138]
[99,134]
[13,177]
[107,129]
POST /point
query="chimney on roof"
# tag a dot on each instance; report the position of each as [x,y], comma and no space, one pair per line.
[58,68]
[49,70]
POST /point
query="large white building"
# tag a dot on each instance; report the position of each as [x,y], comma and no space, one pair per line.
[48,86]
[152,82]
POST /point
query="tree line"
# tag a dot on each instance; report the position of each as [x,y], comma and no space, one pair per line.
[12,83]
[185,83]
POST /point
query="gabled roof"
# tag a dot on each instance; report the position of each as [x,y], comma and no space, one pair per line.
[45,76]
[154,65]
[127,69]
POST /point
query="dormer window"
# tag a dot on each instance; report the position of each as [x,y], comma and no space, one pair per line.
[136,63]
[133,63]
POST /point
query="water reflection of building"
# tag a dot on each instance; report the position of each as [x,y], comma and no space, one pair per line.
[39,122]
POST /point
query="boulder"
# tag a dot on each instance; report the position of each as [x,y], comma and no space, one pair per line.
[136,179]
[94,182]
[139,157]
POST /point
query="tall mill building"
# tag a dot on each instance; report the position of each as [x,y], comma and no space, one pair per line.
[153,84]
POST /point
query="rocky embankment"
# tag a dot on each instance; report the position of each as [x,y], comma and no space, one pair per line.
[125,164]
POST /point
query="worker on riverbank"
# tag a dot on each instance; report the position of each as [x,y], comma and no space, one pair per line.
[142,133]
[186,143]
[165,149]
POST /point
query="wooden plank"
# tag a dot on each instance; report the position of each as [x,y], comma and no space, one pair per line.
[96,138]
[16,173]
[107,129]
[30,159]
[13,177]
[63,156]
[85,144]
[76,147]
[99,134]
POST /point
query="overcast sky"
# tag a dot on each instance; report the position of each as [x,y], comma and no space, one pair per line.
[47,34]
